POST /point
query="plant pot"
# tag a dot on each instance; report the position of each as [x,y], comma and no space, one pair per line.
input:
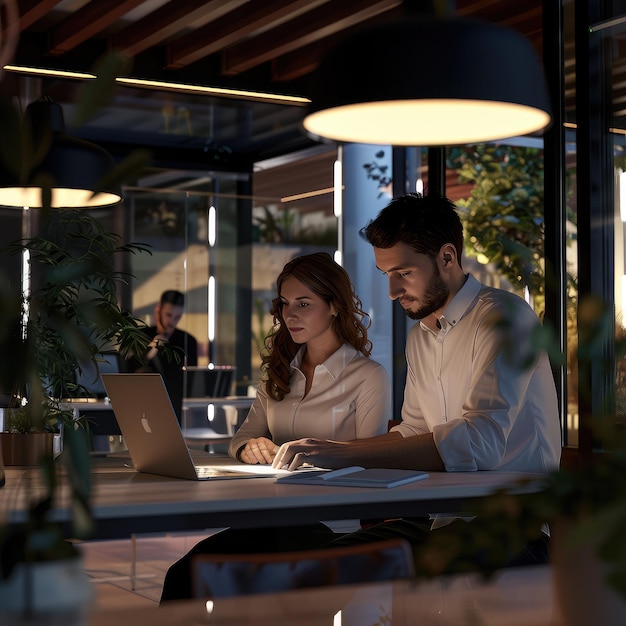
[25,448]
[582,595]
[47,593]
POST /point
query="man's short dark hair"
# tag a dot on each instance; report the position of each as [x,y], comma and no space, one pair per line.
[173,297]
[423,222]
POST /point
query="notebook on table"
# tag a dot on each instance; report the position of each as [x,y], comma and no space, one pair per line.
[356,476]
[153,436]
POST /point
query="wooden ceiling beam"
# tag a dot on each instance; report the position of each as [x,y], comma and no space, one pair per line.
[32,11]
[307,29]
[169,21]
[88,22]
[305,60]
[293,66]
[253,18]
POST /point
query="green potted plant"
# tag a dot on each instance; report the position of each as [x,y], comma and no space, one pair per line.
[71,314]
[74,314]
[23,441]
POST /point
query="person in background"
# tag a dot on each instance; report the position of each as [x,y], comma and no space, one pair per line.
[318,381]
[168,313]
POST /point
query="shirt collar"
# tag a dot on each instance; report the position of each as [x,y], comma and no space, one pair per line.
[458,306]
[335,363]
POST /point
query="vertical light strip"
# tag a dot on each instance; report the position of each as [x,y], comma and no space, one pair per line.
[212,308]
[623,315]
[338,203]
[622,195]
[337,186]
[212,237]
[26,286]
[25,290]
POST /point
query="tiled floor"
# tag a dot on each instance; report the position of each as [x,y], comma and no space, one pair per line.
[109,564]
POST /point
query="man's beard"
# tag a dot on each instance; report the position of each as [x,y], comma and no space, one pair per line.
[435,297]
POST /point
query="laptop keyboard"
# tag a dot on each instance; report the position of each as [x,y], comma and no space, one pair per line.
[204,471]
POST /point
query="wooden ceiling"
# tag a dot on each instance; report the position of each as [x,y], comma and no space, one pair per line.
[268,45]
[272,44]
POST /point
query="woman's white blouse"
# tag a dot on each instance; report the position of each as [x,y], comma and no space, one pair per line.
[350,398]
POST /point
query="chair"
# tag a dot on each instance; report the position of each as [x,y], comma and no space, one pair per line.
[228,575]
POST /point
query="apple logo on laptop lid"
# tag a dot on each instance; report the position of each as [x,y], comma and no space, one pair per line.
[146,424]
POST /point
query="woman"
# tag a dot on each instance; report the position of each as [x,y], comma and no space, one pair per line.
[317,378]
[318,381]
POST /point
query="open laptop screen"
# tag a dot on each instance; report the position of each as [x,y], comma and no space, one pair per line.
[204,382]
[90,379]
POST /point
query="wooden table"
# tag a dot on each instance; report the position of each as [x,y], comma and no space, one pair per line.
[126,502]
[515,597]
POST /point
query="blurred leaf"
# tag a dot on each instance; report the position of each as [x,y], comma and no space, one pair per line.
[77,461]
[129,169]
[95,93]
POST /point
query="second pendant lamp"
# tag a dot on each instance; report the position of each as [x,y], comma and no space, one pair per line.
[429,81]
[72,169]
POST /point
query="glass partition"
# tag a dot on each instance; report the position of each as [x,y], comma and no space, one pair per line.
[200,246]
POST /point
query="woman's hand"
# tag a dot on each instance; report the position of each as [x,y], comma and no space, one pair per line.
[259,450]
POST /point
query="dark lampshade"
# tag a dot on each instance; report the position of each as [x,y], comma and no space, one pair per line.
[74,168]
[427,81]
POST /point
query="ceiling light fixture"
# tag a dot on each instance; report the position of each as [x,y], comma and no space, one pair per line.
[429,81]
[223,92]
[72,169]
[42,71]
[215,91]
[308,194]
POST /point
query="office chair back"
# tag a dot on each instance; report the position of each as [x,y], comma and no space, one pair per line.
[228,575]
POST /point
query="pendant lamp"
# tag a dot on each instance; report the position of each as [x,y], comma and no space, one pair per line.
[73,169]
[429,81]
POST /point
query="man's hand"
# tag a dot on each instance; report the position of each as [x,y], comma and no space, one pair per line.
[153,346]
[259,450]
[389,450]
[318,452]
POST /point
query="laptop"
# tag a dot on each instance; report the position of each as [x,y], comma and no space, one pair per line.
[153,436]
[90,379]
[214,382]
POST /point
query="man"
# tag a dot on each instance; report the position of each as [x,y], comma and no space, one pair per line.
[477,395]
[168,313]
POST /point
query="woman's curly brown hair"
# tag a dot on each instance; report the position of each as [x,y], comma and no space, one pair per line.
[330,282]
